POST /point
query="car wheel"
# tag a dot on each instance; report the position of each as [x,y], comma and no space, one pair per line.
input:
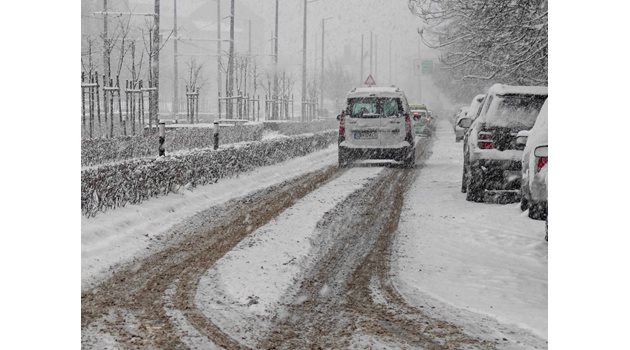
[537,212]
[547,229]
[410,160]
[343,159]
[524,202]
[464,180]
[474,186]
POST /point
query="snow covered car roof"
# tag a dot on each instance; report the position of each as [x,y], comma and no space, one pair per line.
[382,91]
[502,89]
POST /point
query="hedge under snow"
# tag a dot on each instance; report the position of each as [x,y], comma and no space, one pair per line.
[102,150]
[132,181]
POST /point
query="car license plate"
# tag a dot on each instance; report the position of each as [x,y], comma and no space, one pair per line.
[511,175]
[365,135]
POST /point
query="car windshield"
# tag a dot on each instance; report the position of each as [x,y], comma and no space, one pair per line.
[515,110]
[366,107]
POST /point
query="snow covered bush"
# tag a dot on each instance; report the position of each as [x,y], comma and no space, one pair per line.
[296,128]
[103,150]
[132,181]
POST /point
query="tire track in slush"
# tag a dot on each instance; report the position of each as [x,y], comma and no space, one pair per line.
[335,303]
[131,305]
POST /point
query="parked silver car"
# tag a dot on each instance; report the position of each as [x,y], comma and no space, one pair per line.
[534,167]
[492,159]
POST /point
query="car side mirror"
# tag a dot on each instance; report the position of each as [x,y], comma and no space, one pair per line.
[338,116]
[521,138]
[541,151]
[464,123]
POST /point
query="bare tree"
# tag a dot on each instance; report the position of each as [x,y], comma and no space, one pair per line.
[487,40]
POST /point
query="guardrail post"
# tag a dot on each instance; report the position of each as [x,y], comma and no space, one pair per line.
[216,135]
[162,133]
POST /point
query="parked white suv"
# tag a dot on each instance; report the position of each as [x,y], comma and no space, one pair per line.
[376,124]
[534,172]
[492,159]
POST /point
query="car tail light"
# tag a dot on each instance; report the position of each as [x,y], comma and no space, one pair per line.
[540,163]
[407,123]
[342,127]
[541,157]
[485,140]
[342,124]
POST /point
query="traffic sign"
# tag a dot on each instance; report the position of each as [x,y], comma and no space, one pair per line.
[370,81]
[427,66]
[421,67]
[417,67]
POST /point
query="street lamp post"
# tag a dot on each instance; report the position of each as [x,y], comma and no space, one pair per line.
[304,64]
[321,81]
[274,105]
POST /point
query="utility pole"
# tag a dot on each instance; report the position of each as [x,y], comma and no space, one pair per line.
[321,82]
[106,63]
[361,76]
[389,60]
[420,80]
[230,82]
[175,71]
[371,52]
[304,64]
[219,55]
[375,57]
[274,105]
[154,95]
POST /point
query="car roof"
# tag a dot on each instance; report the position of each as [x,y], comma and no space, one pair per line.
[379,91]
[503,89]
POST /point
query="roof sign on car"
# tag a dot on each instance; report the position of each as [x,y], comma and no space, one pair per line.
[370,81]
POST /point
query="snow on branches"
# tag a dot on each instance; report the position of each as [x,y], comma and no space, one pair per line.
[488,40]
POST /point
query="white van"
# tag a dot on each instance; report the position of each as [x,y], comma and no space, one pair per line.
[376,124]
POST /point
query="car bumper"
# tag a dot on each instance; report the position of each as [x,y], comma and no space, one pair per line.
[498,174]
[397,154]
[538,189]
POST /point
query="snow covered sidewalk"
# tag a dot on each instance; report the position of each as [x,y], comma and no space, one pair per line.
[118,236]
[479,265]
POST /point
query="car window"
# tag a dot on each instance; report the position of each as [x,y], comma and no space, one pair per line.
[517,110]
[374,107]
[486,104]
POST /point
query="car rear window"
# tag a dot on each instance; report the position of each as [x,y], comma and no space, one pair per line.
[515,110]
[374,107]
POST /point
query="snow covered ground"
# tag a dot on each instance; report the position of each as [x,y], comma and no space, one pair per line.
[118,236]
[244,288]
[480,265]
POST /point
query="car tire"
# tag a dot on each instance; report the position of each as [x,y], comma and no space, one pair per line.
[547,229]
[524,202]
[343,159]
[474,186]
[410,159]
[537,211]
[463,189]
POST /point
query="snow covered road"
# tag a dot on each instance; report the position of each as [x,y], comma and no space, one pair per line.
[119,236]
[305,255]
